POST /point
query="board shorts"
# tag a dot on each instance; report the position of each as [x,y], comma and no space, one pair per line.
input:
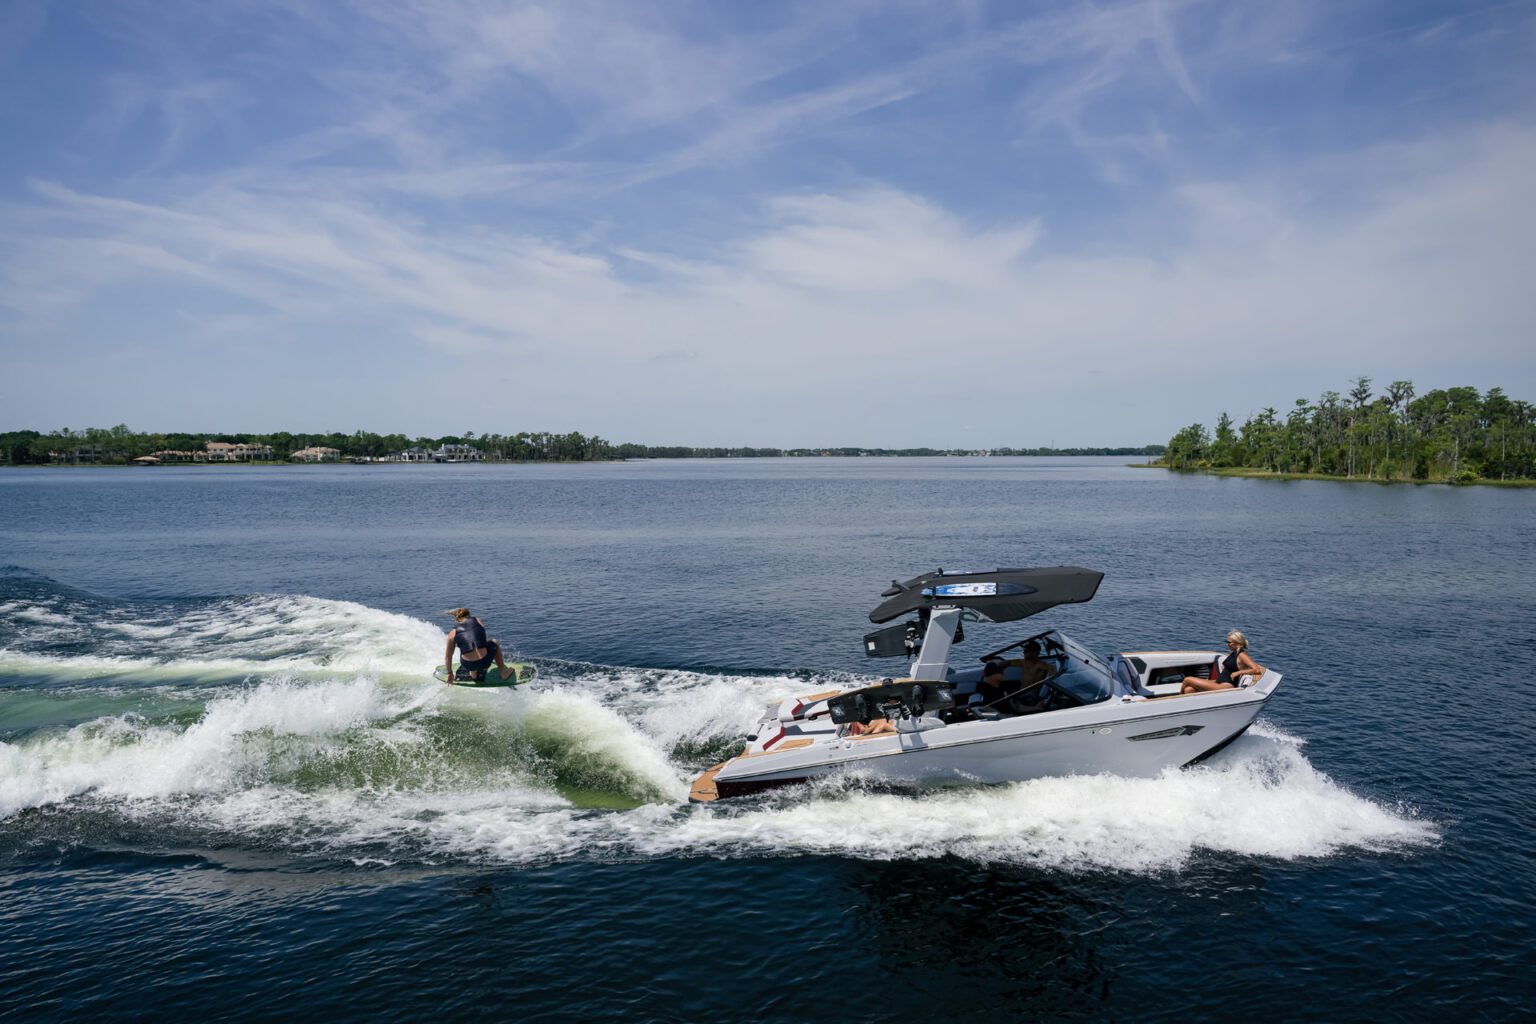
[479,665]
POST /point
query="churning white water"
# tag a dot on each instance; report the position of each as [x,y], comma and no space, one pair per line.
[318,729]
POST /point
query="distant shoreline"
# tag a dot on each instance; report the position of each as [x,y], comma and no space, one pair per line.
[1266,474]
[120,445]
[363,461]
[1447,435]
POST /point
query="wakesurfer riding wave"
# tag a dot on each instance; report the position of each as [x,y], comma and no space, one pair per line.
[476,653]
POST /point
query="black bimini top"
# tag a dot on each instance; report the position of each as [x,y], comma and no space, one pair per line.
[1001,595]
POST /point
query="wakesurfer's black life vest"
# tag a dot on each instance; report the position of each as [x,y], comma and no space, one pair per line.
[470,636]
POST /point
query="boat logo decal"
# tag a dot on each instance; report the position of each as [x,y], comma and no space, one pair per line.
[976,590]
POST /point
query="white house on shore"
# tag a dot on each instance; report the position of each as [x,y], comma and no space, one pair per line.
[457,453]
[317,454]
[409,455]
[222,451]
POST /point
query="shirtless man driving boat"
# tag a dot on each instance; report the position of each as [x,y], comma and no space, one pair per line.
[1025,698]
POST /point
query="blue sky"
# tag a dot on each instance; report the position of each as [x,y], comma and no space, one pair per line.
[954,224]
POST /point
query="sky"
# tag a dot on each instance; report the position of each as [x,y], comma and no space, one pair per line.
[953,224]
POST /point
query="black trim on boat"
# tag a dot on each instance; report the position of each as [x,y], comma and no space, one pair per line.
[1218,748]
[1168,734]
[728,788]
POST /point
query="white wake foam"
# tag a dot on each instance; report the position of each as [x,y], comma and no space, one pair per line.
[237,637]
[239,740]
[1261,798]
[233,769]
[596,742]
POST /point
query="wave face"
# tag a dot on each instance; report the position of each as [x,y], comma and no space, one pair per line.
[312,727]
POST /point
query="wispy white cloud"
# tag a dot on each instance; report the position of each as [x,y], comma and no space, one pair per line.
[844,282]
[881,242]
[1168,51]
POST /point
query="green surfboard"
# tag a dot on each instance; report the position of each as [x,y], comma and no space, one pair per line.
[517,674]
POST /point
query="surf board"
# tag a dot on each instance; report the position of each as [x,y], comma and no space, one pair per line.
[517,673]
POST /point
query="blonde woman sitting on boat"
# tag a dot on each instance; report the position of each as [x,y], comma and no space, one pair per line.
[1235,667]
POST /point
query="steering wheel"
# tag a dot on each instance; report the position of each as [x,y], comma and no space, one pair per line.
[1054,698]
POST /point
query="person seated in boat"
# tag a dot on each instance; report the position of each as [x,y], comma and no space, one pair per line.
[1032,669]
[992,690]
[873,726]
[1024,697]
[1235,668]
[476,651]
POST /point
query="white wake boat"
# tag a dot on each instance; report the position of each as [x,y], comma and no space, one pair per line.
[1068,712]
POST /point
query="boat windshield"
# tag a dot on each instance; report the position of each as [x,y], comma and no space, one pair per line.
[1083,674]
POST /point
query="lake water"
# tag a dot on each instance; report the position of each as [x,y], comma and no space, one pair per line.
[229,788]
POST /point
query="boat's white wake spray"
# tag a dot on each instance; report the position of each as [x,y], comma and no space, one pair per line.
[316,730]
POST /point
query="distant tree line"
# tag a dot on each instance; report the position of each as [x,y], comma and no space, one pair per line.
[119,445]
[1454,435]
[1149,449]
[637,451]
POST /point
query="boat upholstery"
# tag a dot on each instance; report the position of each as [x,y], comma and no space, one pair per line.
[1127,676]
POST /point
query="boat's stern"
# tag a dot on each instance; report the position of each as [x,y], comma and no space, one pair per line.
[704,789]
[792,724]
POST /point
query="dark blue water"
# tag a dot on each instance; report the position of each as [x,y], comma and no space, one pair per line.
[228,788]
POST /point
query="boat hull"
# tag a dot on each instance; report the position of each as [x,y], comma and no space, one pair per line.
[1136,740]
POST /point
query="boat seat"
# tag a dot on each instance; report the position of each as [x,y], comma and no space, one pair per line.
[1129,677]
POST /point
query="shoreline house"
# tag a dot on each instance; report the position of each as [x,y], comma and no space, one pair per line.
[173,455]
[408,455]
[317,454]
[457,453]
[222,451]
[85,454]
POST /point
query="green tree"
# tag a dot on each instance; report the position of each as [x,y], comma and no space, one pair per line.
[1223,450]
[1189,448]
[1296,446]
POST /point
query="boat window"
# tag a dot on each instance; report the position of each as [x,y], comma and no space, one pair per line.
[1086,682]
[1084,677]
[1077,650]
